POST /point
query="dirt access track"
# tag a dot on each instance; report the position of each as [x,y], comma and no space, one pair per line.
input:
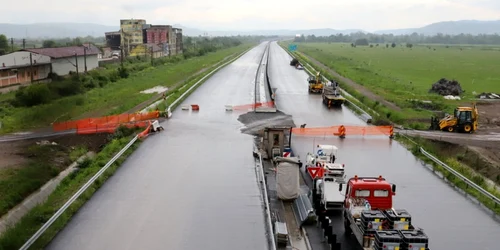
[485,141]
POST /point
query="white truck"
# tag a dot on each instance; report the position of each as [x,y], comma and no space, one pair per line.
[330,189]
[324,154]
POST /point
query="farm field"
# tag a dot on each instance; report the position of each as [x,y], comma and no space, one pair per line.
[400,74]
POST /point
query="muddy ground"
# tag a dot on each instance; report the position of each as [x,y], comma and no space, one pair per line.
[13,154]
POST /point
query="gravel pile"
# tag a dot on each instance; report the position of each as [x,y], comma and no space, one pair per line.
[488,96]
[446,87]
[256,122]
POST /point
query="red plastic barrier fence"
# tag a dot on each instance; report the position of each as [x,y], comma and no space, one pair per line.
[106,120]
[253,105]
[108,128]
[344,130]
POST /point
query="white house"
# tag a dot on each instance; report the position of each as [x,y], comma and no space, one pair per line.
[65,59]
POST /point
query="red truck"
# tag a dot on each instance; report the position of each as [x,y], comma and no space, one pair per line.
[370,217]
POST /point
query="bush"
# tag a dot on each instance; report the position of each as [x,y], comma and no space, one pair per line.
[32,95]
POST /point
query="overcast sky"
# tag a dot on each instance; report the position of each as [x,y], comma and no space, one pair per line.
[368,15]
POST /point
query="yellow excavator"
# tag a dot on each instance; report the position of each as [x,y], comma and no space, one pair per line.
[315,84]
[463,120]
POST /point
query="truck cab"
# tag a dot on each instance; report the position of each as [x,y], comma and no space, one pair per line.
[377,191]
[331,187]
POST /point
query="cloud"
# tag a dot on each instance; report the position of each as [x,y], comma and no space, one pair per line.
[256,14]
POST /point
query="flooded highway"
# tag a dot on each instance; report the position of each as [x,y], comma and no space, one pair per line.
[449,219]
[190,187]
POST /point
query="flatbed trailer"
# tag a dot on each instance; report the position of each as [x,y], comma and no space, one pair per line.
[376,225]
[331,97]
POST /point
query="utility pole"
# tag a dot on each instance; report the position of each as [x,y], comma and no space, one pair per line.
[121,57]
[31,66]
[76,63]
[152,62]
[24,43]
[85,58]
[12,44]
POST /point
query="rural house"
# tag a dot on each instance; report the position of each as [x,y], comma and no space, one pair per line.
[65,59]
[23,67]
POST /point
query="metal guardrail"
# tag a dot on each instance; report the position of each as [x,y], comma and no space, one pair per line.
[463,178]
[266,204]
[75,196]
[59,212]
[303,209]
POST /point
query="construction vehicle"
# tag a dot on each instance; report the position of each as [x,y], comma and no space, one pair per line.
[331,95]
[464,120]
[324,154]
[371,218]
[315,84]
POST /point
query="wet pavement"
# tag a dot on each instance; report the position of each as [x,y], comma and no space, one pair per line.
[449,219]
[190,187]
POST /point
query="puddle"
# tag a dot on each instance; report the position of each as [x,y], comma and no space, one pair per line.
[157,89]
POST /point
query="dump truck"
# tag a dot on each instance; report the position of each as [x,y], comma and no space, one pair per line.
[369,216]
[315,83]
[463,120]
[331,95]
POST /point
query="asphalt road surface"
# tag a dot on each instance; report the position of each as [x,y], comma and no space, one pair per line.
[190,187]
[449,219]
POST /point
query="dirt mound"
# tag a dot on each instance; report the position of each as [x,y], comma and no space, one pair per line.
[485,95]
[446,87]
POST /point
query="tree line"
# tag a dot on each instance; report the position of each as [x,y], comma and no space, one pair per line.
[413,38]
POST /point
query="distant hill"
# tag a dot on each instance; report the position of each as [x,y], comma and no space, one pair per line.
[54,30]
[472,27]
[61,30]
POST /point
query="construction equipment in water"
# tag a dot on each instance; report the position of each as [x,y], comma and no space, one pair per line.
[315,83]
[331,95]
[463,120]
[370,217]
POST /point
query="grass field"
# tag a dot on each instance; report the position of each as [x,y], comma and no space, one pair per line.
[401,73]
[113,98]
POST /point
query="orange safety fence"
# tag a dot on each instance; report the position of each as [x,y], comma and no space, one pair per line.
[146,131]
[253,105]
[108,128]
[344,130]
[106,120]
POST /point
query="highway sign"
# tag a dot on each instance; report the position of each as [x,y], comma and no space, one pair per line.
[292,47]
[315,172]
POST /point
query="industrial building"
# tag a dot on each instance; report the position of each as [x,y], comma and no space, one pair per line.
[178,41]
[23,67]
[135,32]
[147,49]
[113,39]
[66,59]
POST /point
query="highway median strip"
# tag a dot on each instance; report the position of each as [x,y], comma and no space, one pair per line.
[392,116]
[17,235]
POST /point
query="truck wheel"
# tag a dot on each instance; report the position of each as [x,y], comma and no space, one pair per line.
[468,128]
[347,226]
